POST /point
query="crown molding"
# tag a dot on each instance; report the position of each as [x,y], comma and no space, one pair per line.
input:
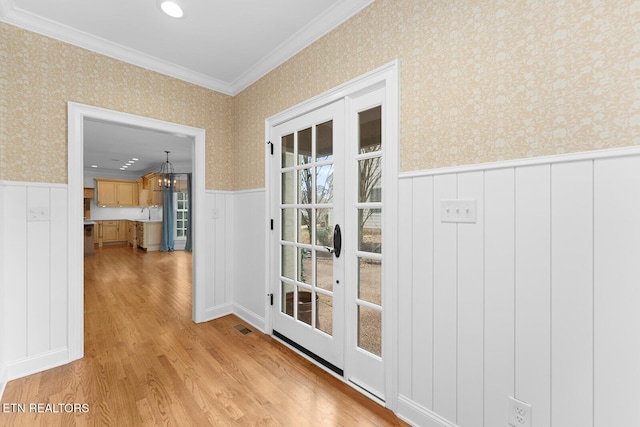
[316,29]
[323,24]
[37,24]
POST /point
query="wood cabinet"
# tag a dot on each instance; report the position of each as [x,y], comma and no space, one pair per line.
[111,232]
[111,192]
[149,235]
[87,195]
[152,189]
[132,235]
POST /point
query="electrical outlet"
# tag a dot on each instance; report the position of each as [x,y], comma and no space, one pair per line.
[519,413]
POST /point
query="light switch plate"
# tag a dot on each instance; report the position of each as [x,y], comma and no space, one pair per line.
[459,210]
[38,213]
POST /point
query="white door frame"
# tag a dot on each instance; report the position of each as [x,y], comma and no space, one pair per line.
[76,115]
[386,76]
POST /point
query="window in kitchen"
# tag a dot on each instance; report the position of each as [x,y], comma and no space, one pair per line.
[182,215]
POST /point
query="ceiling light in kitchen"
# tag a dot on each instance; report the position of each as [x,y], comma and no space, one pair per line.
[172,9]
[166,174]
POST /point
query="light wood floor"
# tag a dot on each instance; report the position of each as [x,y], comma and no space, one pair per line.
[147,363]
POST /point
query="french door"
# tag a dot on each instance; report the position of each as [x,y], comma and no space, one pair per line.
[309,287]
[327,243]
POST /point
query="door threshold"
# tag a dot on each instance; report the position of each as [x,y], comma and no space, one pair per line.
[309,353]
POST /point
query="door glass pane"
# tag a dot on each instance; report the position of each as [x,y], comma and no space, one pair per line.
[305,267]
[370,230]
[370,280]
[370,130]
[286,305]
[324,321]
[324,141]
[305,179]
[370,330]
[304,146]
[288,186]
[324,227]
[288,224]
[288,262]
[287,151]
[370,180]
[324,184]
[304,225]
[324,270]
[305,309]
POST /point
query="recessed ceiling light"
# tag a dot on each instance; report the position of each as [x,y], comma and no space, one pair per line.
[94,166]
[172,9]
[123,169]
[130,162]
[135,159]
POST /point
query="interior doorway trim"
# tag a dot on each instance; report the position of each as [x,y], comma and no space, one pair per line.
[76,115]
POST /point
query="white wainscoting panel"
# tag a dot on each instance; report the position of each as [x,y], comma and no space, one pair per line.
[34,278]
[617,292]
[533,289]
[219,295]
[499,302]
[470,266]
[249,256]
[538,299]
[445,307]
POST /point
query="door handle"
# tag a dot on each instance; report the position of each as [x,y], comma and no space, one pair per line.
[337,241]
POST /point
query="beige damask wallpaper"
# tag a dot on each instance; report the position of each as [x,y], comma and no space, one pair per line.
[39,75]
[481,80]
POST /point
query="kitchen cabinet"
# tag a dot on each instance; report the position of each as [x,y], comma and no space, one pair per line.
[116,192]
[87,195]
[149,235]
[132,238]
[153,192]
[111,232]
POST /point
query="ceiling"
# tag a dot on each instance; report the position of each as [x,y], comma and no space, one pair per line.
[108,146]
[224,45]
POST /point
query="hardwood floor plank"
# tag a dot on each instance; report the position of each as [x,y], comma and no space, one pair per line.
[147,363]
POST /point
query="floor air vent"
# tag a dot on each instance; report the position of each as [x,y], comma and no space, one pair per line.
[242,329]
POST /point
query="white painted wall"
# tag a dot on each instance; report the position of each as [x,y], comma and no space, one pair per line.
[539,299]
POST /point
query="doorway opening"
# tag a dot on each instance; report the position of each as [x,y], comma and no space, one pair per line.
[77,118]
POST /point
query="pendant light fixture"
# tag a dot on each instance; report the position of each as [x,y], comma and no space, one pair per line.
[167,173]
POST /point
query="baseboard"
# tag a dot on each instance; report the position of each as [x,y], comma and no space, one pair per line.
[418,415]
[218,311]
[249,317]
[38,363]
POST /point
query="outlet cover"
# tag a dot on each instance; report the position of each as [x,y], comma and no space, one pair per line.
[519,413]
